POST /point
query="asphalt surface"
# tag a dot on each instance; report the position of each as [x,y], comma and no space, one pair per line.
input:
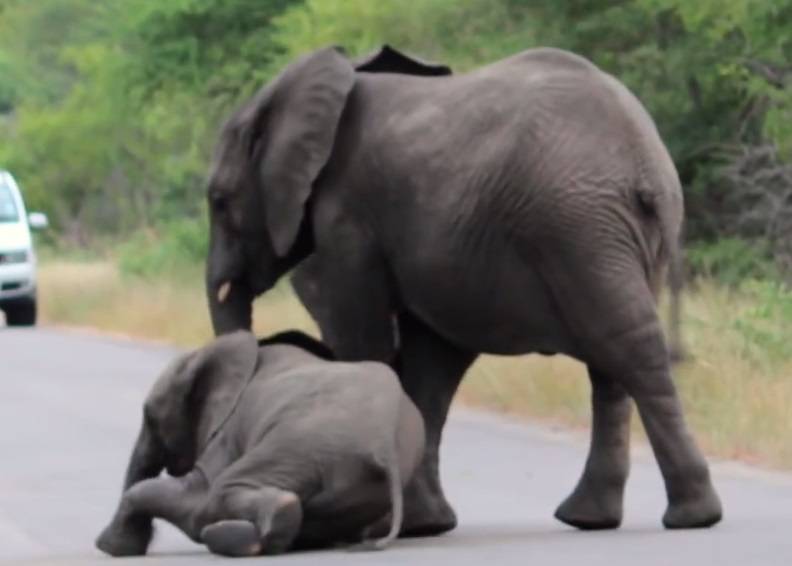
[69,411]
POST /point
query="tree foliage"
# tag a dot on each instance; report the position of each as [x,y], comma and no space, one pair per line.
[110,109]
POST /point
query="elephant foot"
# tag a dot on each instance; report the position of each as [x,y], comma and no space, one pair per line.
[280,528]
[117,542]
[128,534]
[592,509]
[700,511]
[427,514]
[232,538]
[274,535]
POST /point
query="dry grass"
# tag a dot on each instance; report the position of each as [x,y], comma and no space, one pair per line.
[737,390]
[94,294]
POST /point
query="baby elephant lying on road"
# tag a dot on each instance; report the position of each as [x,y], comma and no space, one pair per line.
[269,446]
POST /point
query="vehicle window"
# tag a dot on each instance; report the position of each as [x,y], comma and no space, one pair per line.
[8,209]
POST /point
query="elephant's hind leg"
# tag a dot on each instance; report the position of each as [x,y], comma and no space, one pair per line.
[256,521]
[610,307]
[247,516]
[597,501]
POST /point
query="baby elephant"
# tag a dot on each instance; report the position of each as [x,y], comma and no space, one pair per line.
[269,446]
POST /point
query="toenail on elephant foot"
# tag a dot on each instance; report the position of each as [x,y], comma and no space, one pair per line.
[587,510]
[232,538]
[697,512]
[282,526]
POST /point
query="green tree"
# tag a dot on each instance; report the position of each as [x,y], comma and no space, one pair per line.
[109,110]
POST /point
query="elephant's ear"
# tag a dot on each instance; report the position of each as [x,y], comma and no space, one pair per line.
[301,340]
[200,391]
[389,60]
[298,115]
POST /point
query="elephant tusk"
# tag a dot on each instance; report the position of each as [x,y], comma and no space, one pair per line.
[223,291]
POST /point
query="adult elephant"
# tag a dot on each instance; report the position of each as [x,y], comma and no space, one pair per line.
[527,206]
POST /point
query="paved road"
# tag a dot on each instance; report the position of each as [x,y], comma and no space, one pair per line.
[69,410]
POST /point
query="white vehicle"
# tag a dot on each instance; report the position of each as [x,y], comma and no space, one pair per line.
[17,258]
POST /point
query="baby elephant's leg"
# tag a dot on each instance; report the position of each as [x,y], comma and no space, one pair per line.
[176,500]
[253,521]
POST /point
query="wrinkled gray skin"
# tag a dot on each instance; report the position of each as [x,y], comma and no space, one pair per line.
[527,206]
[268,448]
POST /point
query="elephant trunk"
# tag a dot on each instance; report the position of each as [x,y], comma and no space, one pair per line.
[147,460]
[228,291]
[230,305]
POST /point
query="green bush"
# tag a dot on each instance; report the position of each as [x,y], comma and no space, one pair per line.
[766,327]
[178,246]
[732,261]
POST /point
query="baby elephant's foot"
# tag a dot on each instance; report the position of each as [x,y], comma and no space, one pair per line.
[700,510]
[121,545]
[127,535]
[281,525]
[278,526]
[117,541]
[592,509]
[234,537]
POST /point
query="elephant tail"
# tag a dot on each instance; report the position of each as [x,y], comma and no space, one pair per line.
[397,503]
[393,473]
[671,215]
[662,210]
[663,200]
[676,284]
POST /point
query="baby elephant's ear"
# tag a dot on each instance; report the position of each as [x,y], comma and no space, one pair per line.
[228,364]
[204,386]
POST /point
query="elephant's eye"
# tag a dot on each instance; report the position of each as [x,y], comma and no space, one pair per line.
[219,203]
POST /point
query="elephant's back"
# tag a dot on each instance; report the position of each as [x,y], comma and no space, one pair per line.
[541,61]
[330,403]
[541,110]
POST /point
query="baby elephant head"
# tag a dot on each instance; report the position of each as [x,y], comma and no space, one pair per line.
[188,402]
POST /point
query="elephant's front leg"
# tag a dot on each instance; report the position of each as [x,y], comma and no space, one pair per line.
[349,297]
[597,501]
[430,369]
[176,500]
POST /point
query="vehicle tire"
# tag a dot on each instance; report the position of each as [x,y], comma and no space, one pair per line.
[21,313]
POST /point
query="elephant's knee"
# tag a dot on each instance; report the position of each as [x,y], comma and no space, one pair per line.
[135,498]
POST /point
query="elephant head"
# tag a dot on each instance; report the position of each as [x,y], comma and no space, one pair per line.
[269,156]
[270,153]
[188,403]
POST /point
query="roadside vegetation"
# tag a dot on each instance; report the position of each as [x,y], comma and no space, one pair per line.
[109,111]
